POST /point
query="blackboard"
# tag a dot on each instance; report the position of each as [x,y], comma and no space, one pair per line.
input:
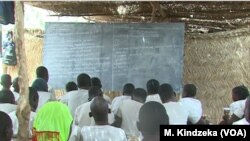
[116,53]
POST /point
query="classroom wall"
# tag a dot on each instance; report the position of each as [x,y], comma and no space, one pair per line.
[33,48]
[215,63]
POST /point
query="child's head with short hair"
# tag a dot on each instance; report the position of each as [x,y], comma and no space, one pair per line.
[240,93]
[71,86]
[189,90]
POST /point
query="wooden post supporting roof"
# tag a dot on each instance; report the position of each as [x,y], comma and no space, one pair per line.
[23,109]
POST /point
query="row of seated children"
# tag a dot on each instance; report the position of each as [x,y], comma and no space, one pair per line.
[123,110]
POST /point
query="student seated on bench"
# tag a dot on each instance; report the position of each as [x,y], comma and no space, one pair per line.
[177,113]
[153,88]
[69,88]
[41,87]
[7,100]
[53,122]
[42,72]
[239,95]
[192,105]
[128,112]
[102,131]
[96,82]
[33,101]
[151,115]
[81,117]
[76,98]
[246,119]
[6,84]
[6,131]
[117,101]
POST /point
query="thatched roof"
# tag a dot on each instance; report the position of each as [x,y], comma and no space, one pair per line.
[200,17]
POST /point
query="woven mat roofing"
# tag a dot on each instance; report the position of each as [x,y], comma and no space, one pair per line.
[200,17]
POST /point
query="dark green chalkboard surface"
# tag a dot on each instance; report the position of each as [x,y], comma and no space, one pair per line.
[116,53]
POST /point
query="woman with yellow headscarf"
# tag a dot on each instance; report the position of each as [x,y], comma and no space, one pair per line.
[52,123]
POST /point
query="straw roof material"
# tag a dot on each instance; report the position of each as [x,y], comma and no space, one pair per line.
[200,17]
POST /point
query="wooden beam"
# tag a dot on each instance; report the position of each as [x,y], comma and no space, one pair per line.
[23,108]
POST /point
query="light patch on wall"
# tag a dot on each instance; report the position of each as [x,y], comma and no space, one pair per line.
[35,18]
[125,9]
[122,10]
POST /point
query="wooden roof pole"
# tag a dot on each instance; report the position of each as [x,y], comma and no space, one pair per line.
[23,109]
